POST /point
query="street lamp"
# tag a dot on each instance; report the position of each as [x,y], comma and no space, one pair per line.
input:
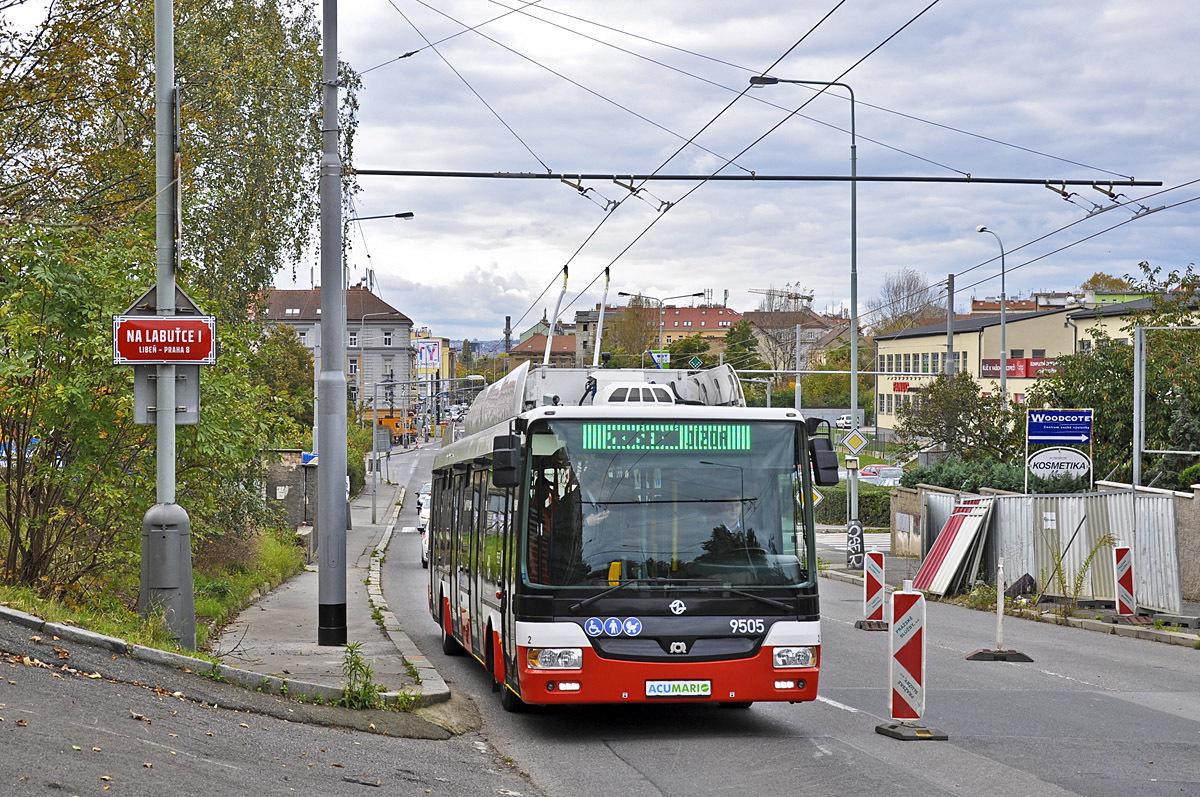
[408,214]
[1003,303]
[764,80]
[660,309]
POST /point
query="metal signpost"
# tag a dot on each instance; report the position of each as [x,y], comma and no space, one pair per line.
[1069,427]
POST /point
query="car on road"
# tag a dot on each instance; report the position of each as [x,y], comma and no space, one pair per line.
[423,495]
[886,476]
[425,547]
[869,470]
[843,422]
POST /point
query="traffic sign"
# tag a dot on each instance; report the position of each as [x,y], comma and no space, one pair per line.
[695,362]
[855,441]
[1059,426]
[165,339]
[660,358]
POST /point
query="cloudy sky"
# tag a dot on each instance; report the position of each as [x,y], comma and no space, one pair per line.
[1034,89]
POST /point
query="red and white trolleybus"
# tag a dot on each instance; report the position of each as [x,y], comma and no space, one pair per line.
[618,536]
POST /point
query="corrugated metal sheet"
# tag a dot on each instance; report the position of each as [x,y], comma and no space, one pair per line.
[1157,583]
[1034,532]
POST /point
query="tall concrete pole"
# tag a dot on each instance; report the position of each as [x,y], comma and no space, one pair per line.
[331,384]
[166,573]
[948,365]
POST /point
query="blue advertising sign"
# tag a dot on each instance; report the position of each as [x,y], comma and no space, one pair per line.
[1059,426]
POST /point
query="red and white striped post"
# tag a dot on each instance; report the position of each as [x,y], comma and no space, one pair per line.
[1123,567]
[906,670]
[873,586]
[906,667]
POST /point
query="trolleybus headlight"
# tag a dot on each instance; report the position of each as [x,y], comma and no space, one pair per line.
[793,657]
[555,658]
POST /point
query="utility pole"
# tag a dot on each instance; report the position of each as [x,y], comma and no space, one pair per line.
[332,506]
[166,572]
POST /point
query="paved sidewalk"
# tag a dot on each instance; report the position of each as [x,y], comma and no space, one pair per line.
[277,635]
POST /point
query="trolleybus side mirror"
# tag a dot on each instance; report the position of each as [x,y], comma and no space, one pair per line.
[821,454]
[506,460]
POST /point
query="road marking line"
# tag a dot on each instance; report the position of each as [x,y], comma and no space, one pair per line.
[836,704]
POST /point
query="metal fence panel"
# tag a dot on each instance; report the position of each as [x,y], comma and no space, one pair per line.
[1034,532]
[1156,579]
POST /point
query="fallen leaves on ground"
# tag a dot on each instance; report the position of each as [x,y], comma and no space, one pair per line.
[136,716]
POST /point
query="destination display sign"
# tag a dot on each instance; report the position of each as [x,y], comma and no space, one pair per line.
[666,436]
[162,339]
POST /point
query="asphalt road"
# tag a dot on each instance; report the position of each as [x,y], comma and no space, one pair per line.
[1093,714]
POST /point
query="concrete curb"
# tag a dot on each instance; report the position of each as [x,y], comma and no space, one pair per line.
[1102,626]
[431,687]
[178,661]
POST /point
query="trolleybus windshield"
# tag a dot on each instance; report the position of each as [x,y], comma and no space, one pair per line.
[640,502]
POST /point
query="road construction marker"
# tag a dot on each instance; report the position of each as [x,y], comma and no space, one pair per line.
[873,593]
[1123,566]
[906,670]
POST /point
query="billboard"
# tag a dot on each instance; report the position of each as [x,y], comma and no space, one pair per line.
[429,354]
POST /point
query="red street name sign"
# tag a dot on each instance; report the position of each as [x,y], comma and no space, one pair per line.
[155,339]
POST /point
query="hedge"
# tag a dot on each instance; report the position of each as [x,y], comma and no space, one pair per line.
[874,505]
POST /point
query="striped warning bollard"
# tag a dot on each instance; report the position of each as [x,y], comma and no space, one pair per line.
[1123,565]
[906,669]
[873,594]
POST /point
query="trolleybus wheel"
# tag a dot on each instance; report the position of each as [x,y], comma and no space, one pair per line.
[450,645]
[509,700]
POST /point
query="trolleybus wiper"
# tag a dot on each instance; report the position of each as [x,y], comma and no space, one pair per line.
[656,580]
[744,594]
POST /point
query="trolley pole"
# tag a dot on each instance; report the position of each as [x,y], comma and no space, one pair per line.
[331,384]
[166,571]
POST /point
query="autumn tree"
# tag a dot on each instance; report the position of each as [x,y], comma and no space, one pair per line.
[284,366]
[1105,283]
[630,332]
[741,348]
[953,414]
[906,298]
[1102,378]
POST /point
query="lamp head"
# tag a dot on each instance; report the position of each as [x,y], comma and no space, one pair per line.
[763,80]
[981,228]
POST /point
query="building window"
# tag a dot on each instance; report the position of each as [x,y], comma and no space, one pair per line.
[1038,353]
[882,403]
[303,338]
[353,371]
[387,338]
[924,362]
[292,311]
[889,364]
[1085,346]
[1016,354]
[908,363]
[879,367]
[890,399]
[352,340]
[936,358]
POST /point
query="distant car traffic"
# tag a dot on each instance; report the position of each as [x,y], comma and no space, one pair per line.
[423,495]
[843,422]
[884,477]
[869,470]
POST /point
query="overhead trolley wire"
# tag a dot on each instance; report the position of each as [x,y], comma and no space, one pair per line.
[451,36]
[780,123]
[579,85]
[941,283]
[469,86]
[818,121]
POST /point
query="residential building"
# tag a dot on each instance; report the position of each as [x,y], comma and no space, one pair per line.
[533,351]
[907,361]
[377,335]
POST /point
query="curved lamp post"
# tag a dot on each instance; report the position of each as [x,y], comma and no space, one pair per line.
[765,80]
[1003,304]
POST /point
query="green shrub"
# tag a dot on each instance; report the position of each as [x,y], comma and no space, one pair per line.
[972,476]
[874,505]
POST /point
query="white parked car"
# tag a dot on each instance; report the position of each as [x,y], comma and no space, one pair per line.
[425,547]
[843,422]
[884,477]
